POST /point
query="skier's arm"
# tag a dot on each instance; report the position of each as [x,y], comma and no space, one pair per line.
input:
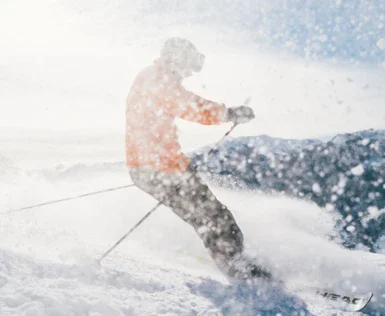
[191,107]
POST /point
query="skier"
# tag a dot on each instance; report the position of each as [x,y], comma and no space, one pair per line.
[157,165]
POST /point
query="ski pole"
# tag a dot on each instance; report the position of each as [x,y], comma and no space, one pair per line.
[69,198]
[161,201]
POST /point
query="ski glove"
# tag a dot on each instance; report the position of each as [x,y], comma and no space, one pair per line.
[239,114]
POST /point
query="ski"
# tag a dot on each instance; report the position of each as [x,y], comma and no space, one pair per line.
[350,302]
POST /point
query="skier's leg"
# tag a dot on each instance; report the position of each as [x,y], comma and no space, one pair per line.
[196,204]
[216,226]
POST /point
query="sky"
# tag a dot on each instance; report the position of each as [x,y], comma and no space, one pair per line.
[310,68]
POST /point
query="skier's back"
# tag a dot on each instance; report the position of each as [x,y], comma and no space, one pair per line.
[158,166]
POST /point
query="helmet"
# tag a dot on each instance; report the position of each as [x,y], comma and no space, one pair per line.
[182,55]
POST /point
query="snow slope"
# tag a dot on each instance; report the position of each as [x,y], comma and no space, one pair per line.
[47,265]
[126,286]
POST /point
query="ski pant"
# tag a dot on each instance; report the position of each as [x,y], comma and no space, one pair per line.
[189,198]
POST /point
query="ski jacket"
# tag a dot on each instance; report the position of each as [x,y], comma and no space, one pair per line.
[156,98]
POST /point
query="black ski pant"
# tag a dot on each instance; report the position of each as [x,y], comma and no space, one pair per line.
[192,200]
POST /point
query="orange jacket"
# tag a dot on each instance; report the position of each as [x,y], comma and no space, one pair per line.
[155,99]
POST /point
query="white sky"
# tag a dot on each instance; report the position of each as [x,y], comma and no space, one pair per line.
[68,65]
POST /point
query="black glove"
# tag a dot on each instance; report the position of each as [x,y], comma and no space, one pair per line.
[239,114]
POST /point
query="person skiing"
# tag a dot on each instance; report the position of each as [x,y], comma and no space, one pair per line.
[158,167]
